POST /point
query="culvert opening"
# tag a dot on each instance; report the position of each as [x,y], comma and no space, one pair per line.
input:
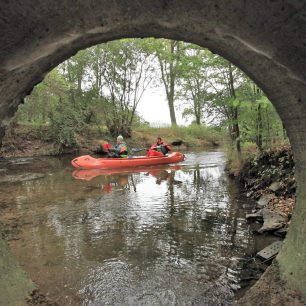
[88,94]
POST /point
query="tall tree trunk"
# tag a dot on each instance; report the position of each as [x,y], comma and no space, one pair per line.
[236,129]
[284,131]
[168,75]
[170,98]
[235,126]
[172,84]
[197,111]
[259,128]
[79,84]
[198,120]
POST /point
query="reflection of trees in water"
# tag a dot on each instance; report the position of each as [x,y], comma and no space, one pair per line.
[198,226]
[188,226]
[198,219]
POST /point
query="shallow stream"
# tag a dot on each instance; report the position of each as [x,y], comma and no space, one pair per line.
[165,235]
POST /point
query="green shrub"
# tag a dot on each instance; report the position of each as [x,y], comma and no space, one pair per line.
[65,124]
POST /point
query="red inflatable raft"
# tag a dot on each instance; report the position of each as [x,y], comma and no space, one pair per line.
[88,162]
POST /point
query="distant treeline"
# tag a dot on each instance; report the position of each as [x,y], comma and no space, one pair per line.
[103,85]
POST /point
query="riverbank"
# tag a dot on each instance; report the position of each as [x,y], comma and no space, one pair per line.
[27,140]
[268,178]
[270,290]
[15,285]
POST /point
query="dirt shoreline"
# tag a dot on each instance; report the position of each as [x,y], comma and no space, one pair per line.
[270,290]
[269,179]
[23,140]
[14,282]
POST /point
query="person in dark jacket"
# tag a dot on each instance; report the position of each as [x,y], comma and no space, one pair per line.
[119,150]
[161,146]
[103,149]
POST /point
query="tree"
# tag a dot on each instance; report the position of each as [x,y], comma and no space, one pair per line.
[104,85]
[259,120]
[76,71]
[44,98]
[194,86]
[121,74]
[225,79]
[168,54]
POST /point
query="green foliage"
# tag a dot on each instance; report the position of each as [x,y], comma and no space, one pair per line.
[169,55]
[258,118]
[102,87]
[193,135]
[199,132]
[66,122]
[121,73]
[43,99]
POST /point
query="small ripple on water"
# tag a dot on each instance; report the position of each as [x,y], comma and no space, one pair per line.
[164,237]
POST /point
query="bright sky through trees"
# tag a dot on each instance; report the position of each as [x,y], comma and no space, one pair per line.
[154,109]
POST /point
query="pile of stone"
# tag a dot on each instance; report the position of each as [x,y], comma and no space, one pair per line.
[269,179]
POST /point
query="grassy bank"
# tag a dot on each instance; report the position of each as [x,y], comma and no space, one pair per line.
[38,140]
[192,136]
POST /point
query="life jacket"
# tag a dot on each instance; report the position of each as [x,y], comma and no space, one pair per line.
[157,146]
[152,152]
[106,147]
[122,149]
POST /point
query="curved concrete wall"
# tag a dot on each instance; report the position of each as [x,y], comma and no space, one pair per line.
[266,39]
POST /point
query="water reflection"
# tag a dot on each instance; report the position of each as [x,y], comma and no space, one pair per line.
[158,236]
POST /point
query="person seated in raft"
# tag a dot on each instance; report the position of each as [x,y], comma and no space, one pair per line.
[103,148]
[161,146]
[120,149]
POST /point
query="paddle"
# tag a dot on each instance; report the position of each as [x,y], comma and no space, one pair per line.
[135,150]
[177,143]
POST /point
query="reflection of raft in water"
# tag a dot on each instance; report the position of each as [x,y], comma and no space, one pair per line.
[89,174]
[88,162]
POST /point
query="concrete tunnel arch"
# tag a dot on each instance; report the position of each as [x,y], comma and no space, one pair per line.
[266,39]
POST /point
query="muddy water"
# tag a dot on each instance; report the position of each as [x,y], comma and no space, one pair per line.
[173,235]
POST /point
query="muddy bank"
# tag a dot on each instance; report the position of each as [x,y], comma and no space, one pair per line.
[270,290]
[14,283]
[269,179]
[26,140]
